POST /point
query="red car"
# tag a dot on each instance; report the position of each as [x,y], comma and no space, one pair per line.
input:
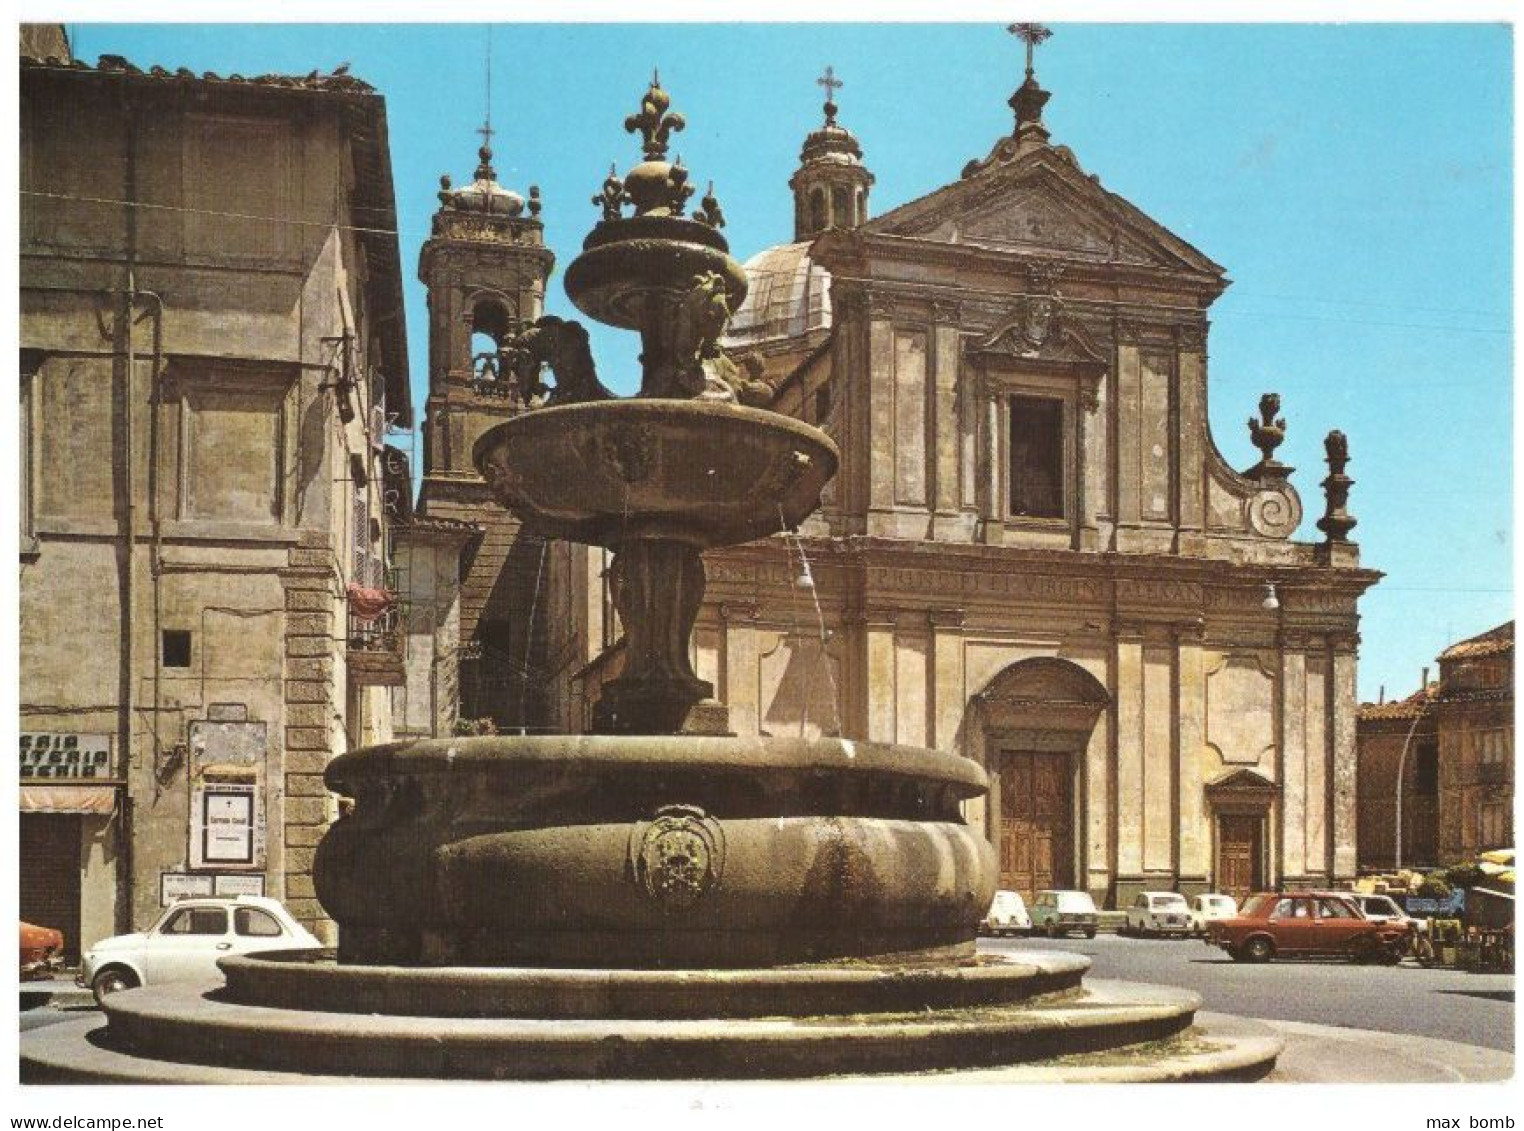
[41,951]
[1307,923]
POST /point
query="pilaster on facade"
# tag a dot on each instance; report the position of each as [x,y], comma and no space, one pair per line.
[314,701]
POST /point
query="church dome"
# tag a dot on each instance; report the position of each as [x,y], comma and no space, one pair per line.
[790,295]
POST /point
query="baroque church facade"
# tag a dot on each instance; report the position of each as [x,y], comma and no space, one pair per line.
[1034,553]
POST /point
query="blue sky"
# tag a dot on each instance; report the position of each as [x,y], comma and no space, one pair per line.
[1355,180]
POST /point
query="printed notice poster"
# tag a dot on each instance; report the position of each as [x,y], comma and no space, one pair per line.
[240,885]
[227,825]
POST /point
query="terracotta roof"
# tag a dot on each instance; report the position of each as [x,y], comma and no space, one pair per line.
[335,82]
[1409,708]
[1493,642]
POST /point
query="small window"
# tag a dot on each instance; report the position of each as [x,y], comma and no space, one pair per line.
[818,210]
[197,921]
[1335,909]
[1037,451]
[1426,771]
[177,648]
[841,207]
[254,923]
[1283,909]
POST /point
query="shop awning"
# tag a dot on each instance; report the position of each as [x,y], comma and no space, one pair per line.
[96,799]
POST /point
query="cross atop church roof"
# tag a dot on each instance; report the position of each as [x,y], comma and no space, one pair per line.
[1031,35]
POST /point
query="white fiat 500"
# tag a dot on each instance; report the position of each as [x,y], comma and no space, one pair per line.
[1206,908]
[1159,913]
[1007,916]
[186,942]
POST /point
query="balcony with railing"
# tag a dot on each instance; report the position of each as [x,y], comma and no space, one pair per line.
[376,638]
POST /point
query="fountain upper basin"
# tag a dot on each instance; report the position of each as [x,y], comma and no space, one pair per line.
[701,472]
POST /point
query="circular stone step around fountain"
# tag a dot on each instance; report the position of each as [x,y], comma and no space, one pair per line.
[189,1034]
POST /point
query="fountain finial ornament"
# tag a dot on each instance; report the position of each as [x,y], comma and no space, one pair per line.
[653,122]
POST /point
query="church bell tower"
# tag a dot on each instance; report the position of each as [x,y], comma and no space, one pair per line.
[831,184]
[484,265]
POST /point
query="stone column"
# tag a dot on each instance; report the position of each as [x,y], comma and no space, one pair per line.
[1295,851]
[1089,466]
[944,428]
[1128,691]
[739,641]
[881,694]
[1195,842]
[948,695]
[991,502]
[1191,370]
[968,441]
[1343,702]
[1129,416]
[880,438]
[1159,788]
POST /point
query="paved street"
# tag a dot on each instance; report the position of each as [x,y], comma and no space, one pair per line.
[1452,1005]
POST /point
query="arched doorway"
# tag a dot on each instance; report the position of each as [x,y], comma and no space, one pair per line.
[1031,726]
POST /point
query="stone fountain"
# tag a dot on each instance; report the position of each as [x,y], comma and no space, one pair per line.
[661,898]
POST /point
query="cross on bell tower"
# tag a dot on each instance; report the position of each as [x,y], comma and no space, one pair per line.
[832,84]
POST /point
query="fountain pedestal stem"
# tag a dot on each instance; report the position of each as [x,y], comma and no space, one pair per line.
[658,587]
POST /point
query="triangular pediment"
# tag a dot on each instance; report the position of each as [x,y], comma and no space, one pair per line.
[1042,204]
[1242,782]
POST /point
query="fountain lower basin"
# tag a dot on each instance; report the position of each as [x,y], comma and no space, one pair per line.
[676,852]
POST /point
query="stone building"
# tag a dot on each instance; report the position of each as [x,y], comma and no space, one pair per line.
[1451,742]
[212,351]
[1035,553]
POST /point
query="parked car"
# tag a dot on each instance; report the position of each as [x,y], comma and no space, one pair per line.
[1207,908]
[187,940]
[1060,912]
[1307,923]
[1158,913]
[1382,909]
[1007,916]
[41,950]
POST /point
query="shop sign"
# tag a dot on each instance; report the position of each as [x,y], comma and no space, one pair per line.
[47,755]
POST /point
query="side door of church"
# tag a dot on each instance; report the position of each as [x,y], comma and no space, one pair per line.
[1238,854]
[1036,815]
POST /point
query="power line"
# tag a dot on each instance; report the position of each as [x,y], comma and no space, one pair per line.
[324,224]
[1220,314]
